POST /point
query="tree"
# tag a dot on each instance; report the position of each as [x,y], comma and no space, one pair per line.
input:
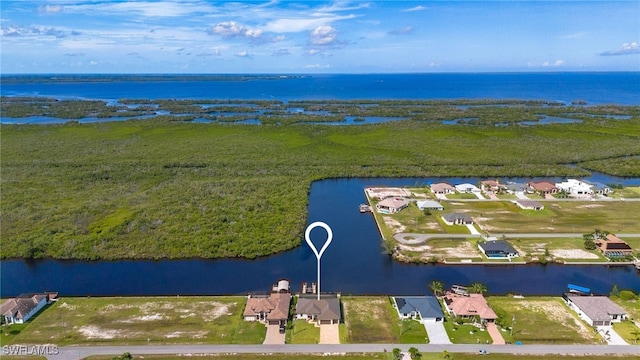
[414,353]
[397,354]
[477,288]
[589,244]
[437,287]
[614,291]
[125,356]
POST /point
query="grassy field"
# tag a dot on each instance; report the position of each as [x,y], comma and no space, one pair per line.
[143,320]
[374,320]
[628,331]
[558,249]
[172,189]
[541,320]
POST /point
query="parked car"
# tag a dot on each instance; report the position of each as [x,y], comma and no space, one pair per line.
[483,352]
[282,328]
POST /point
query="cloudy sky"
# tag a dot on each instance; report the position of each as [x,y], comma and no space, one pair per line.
[74,36]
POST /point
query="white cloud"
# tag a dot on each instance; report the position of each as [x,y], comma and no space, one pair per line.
[314,52]
[243,53]
[323,35]
[51,9]
[229,29]
[626,49]
[146,9]
[281,52]
[318,66]
[405,30]
[288,25]
[557,63]
[415,8]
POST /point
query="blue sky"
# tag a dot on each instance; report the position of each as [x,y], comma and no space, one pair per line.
[73,36]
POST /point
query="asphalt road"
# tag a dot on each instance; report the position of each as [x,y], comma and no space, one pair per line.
[80,352]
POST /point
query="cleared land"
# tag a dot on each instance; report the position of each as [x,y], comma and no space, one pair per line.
[541,320]
[143,320]
[166,188]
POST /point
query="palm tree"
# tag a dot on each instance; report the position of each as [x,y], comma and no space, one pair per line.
[477,288]
[437,287]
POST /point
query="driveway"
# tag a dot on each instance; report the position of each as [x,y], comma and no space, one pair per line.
[496,337]
[436,332]
[329,334]
[610,335]
[273,335]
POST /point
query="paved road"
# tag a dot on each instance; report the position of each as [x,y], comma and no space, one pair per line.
[422,238]
[79,352]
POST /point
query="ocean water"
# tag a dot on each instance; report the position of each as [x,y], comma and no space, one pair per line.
[594,88]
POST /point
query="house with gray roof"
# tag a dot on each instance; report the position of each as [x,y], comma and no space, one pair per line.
[323,311]
[497,249]
[457,219]
[595,310]
[429,205]
[529,205]
[422,308]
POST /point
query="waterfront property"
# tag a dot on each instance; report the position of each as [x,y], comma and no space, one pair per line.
[20,309]
[497,249]
[468,306]
[529,205]
[421,308]
[392,205]
[271,309]
[457,219]
[467,188]
[442,188]
[491,185]
[595,310]
[542,188]
[575,187]
[613,247]
[323,311]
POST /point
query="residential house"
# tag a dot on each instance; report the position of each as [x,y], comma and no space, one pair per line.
[497,249]
[529,205]
[20,309]
[491,185]
[429,205]
[542,187]
[442,188]
[469,306]
[323,311]
[467,188]
[514,188]
[457,219]
[421,308]
[392,205]
[595,310]
[272,309]
[575,187]
[599,188]
[612,246]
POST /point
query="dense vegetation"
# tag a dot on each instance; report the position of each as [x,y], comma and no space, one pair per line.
[158,188]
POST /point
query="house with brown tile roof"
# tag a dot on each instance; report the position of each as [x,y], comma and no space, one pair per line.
[469,306]
[20,309]
[392,205]
[442,188]
[272,309]
[613,247]
[542,187]
[491,185]
[595,310]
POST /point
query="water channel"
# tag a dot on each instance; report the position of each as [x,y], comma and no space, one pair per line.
[353,264]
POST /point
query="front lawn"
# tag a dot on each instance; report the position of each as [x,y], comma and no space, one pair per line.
[303,332]
[628,331]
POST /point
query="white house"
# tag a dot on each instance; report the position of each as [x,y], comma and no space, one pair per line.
[595,310]
[429,205]
[575,187]
[21,308]
[467,188]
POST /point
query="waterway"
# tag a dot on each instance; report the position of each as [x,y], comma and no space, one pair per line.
[353,264]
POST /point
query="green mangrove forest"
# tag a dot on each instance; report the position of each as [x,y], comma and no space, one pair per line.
[166,186]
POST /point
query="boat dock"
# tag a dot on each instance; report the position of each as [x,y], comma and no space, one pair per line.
[364,208]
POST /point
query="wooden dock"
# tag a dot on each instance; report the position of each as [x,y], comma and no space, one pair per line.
[364,208]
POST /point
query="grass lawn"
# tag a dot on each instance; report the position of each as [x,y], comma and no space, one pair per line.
[628,331]
[465,333]
[631,306]
[629,192]
[541,320]
[374,320]
[561,249]
[303,332]
[133,320]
